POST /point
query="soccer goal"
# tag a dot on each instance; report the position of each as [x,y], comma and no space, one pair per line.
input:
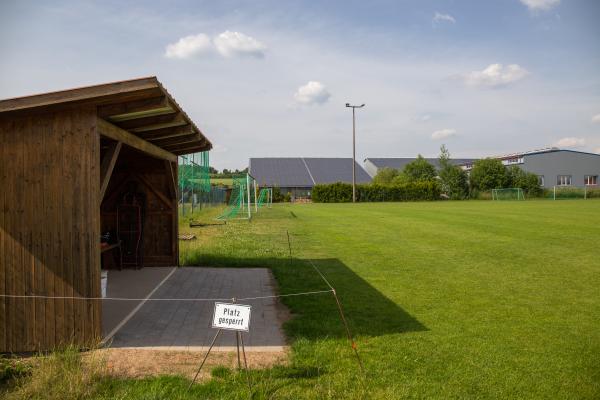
[265,197]
[508,194]
[569,192]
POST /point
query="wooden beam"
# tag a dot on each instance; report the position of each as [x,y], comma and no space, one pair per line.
[134,109]
[153,189]
[107,166]
[186,146]
[193,138]
[190,150]
[161,121]
[170,131]
[114,132]
[144,121]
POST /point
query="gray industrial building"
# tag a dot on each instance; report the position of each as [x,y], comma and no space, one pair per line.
[298,175]
[374,165]
[556,167]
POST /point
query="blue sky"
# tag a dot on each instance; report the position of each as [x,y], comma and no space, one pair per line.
[271,78]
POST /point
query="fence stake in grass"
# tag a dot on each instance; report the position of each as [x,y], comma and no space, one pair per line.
[289,245]
[339,306]
[204,360]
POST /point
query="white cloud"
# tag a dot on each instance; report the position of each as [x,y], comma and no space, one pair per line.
[227,44]
[438,17]
[596,119]
[540,5]
[496,75]
[570,142]
[443,134]
[189,46]
[230,44]
[425,118]
[312,93]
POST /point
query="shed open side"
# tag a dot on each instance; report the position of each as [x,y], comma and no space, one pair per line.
[64,157]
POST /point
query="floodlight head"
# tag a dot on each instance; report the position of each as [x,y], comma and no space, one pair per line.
[362,105]
[347,104]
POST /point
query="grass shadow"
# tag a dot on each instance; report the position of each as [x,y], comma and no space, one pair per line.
[368,311]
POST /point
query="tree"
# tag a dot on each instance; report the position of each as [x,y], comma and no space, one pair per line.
[385,176]
[453,179]
[419,170]
[528,181]
[487,174]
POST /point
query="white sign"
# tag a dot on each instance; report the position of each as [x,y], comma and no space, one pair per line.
[235,317]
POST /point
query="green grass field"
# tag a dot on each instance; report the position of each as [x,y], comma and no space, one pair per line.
[468,299]
[221,181]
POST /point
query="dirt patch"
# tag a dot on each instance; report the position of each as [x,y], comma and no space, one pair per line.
[138,363]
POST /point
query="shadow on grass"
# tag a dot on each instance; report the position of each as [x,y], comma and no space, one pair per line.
[368,311]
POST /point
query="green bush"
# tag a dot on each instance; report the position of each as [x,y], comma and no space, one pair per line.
[572,193]
[528,181]
[12,369]
[593,193]
[419,170]
[488,174]
[342,192]
[385,176]
[277,196]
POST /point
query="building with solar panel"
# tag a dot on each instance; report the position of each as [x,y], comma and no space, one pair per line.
[374,165]
[298,175]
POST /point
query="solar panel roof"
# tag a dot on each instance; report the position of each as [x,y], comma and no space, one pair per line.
[331,170]
[304,172]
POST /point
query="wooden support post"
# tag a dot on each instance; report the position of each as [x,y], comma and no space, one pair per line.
[171,181]
[107,166]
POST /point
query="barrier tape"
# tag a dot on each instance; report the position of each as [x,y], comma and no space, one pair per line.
[14,296]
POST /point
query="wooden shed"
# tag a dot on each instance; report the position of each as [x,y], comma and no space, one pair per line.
[68,160]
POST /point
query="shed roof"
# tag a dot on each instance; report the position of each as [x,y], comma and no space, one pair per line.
[142,107]
[304,171]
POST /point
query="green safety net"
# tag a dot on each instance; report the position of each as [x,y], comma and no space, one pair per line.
[194,172]
[237,199]
[263,197]
[194,181]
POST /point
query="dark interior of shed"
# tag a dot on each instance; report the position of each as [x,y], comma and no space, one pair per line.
[138,211]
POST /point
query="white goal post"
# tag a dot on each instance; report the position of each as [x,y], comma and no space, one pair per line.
[569,192]
[508,194]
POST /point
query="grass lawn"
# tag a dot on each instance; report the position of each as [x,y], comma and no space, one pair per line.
[472,299]
[222,181]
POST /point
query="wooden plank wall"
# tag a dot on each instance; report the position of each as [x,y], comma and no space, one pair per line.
[49,229]
[152,179]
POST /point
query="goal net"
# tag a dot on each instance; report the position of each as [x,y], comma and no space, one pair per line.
[508,194]
[243,199]
[265,197]
[568,192]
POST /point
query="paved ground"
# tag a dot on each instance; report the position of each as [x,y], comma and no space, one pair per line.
[128,283]
[187,325]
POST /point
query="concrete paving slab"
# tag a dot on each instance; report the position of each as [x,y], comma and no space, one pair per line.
[186,325]
[131,284]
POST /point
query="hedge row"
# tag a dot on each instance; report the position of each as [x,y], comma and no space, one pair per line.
[342,192]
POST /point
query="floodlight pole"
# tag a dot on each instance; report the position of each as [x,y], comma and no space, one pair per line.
[354,149]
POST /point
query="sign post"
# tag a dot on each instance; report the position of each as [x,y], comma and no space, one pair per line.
[232,317]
